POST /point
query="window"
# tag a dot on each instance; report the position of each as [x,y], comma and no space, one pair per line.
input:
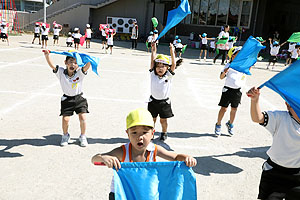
[233,15]
[245,15]
[212,12]
[195,11]
[203,12]
[223,12]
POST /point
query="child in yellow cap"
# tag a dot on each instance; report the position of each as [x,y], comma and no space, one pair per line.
[140,131]
[161,73]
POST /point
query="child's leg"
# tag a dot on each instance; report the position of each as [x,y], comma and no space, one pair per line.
[164,124]
[39,40]
[82,120]
[65,124]
[200,56]
[232,114]
[205,52]
[46,44]
[110,50]
[221,114]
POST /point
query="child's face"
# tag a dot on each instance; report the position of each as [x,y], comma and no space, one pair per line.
[291,110]
[140,136]
[161,69]
[71,64]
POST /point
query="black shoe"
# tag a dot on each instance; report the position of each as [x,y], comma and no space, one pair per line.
[214,61]
[163,136]
[222,63]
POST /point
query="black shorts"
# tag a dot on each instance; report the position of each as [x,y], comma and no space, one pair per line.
[289,54]
[103,38]
[278,179]
[178,50]
[149,44]
[294,60]
[36,35]
[204,47]
[55,37]
[111,196]
[69,43]
[212,50]
[71,104]
[4,36]
[160,107]
[44,37]
[110,46]
[89,39]
[76,40]
[230,96]
[273,59]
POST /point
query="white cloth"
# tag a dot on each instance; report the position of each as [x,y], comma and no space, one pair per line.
[178,45]
[204,40]
[103,32]
[88,33]
[161,86]
[274,50]
[3,30]
[56,31]
[37,30]
[291,47]
[150,38]
[295,54]
[230,45]
[70,86]
[223,46]
[285,149]
[174,42]
[77,35]
[45,32]
[234,79]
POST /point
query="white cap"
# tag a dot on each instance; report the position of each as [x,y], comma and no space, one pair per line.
[69,33]
[55,25]
[76,29]
[3,23]
[87,25]
[43,24]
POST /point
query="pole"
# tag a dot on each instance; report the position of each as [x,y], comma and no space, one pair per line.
[45,16]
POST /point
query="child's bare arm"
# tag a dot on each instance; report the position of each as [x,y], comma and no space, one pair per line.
[86,66]
[223,74]
[283,43]
[110,159]
[171,156]
[46,53]
[256,114]
[153,54]
[172,53]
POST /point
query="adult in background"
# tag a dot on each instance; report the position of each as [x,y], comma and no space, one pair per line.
[134,34]
[223,48]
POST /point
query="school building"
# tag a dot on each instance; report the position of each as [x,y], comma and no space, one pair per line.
[246,17]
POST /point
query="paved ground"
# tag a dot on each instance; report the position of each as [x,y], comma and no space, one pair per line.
[34,166]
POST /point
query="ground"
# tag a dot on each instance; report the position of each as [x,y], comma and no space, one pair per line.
[34,166]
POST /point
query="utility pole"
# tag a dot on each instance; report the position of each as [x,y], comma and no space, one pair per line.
[45,16]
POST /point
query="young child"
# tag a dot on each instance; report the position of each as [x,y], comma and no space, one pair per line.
[175,41]
[292,46]
[37,30]
[231,94]
[178,48]
[88,32]
[110,40]
[103,37]
[69,40]
[140,131]
[274,51]
[161,73]
[281,172]
[56,31]
[212,48]
[3,30]
[204,46]
[149,40]
[45,32]
[72,101]
[77,37]
[295,53]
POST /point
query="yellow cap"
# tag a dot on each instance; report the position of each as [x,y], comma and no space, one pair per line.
[230,52]
[72,50]
[162,59]
[139,117]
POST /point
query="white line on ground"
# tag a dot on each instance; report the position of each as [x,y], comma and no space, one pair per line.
[9,49]
[20,62]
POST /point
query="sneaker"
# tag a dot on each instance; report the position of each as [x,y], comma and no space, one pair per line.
[83,140]
[163,136]
[65,140]
[218,130]
[204,59]
[229,128]
[214,61]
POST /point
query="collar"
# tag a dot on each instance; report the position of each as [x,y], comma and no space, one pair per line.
[294,118]
[66,73]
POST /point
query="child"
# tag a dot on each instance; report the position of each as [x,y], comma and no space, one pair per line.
[69,40]
[175,41]
[292,46]
[149,40]
[295,53]
[88,33]
[45,32]
[204,45]
[140,131]
[161,72]
[110,40]
[3,30]
[37,30]
[72,101]
[231,94]
[178,48]
[134,35]
[56,31]
[274,51]
[223,48]
[103,37]
[77,37]
[280,176]
[212,47]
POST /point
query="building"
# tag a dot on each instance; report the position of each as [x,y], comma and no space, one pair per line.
[29,5]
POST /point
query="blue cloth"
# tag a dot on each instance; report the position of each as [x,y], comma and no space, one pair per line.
[247,57]
[286,84]
[82,59]
[175,16]
[155,180]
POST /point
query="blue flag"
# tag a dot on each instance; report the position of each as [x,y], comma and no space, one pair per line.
[247,57]
[82,59]
[155,180]
[175,16]
[286,84]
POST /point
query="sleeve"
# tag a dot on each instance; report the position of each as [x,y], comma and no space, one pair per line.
[220,34]
[81,73]
[58,71]
[271,121]
[170,73]
[226,66]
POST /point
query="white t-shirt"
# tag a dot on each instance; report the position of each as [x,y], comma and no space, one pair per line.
[204,40]
[174,42]
[77,35]
[274,50]
[150,38]
[88,33]
[3,30]
[223,46]
[285,149]
[179,45]
[230,44]
[291,47]
[69,39]
[56,31]
[110,40]
[234,79]
[37,30]
[70,86]
[45,32]
[212,44]
[103,32]
[161,86]
[135,32]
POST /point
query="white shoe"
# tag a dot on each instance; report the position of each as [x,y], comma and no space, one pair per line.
[65,140]
[83,141]
[204,59]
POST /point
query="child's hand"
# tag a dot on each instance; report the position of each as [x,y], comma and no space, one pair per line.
[171,46]
[226,70]
[253,93]
[190,161]
[46,52]
[111,161]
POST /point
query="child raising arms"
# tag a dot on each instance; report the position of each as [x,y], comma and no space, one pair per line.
[140,131]
[72,101]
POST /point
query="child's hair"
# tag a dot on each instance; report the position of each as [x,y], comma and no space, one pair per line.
[68,58]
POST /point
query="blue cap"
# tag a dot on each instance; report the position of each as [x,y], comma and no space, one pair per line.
[176,37]
[275,43]
[155,31]
[298,43]
[151,33]
[179,40]
[230,38]
[204,35]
